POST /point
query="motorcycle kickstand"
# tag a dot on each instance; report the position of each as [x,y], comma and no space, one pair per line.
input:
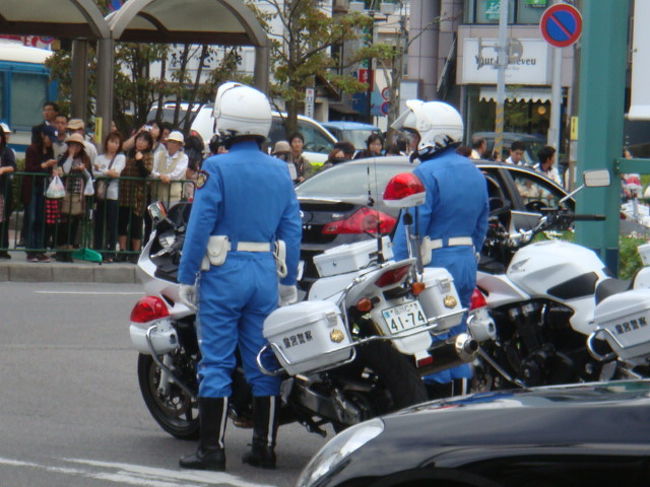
[313,427]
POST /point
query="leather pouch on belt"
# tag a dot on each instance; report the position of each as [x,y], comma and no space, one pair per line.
[425,251]
[280,256]
[218,247]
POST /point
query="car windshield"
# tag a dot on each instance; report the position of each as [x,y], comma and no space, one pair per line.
[351,180]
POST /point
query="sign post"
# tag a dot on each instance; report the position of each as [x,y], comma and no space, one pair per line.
[310,96]
[561,26]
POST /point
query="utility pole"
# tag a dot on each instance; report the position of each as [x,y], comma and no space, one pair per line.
[603,60]
[501,76]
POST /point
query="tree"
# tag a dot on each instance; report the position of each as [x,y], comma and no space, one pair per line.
[301,50]
[137,89]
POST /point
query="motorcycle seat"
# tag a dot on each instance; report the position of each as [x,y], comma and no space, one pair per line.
[611,286]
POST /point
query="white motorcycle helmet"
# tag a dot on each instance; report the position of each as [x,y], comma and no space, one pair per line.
[438,124]
[240,110]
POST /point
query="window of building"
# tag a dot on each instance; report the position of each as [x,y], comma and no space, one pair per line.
[28,94]
[519,11]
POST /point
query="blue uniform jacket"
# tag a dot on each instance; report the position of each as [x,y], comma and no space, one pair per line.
[248,196]
[456,206]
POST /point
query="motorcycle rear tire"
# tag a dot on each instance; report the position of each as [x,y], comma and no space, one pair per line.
[179,427]
[396,373]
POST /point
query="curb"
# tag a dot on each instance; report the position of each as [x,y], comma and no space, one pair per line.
[22,271]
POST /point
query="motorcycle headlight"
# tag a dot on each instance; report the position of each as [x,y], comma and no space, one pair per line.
[338,449]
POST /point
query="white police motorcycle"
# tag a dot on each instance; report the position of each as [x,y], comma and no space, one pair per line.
[354,349]
[532,317]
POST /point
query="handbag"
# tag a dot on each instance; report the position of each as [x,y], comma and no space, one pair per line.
[72,204]
[55,189]
[102,184]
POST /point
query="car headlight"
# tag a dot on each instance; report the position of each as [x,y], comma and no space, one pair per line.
[337,449]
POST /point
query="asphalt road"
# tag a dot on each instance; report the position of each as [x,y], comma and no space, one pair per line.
[71,413]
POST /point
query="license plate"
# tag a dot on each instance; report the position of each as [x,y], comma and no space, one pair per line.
[404,317]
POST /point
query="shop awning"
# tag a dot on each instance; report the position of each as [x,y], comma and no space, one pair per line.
[489,93]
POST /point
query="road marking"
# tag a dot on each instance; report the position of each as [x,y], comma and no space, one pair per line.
[129,474]
[91,292]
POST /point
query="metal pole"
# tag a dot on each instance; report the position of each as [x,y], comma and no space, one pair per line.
[261,69]
[603,60]
[501,77]
[79,82]
[553,138]
[104,87]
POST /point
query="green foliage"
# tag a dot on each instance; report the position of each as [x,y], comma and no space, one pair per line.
[302,52]
[137,90]
[629,260]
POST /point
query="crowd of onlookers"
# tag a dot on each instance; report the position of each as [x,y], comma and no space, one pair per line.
[70,181]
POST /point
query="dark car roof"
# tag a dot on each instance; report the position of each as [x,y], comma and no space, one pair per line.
[590,415]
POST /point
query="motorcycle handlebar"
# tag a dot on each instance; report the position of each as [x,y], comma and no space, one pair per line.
[589,218]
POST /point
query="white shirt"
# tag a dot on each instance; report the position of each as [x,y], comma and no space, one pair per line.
[102,161]
[510,161]
[173,166]
[551,173]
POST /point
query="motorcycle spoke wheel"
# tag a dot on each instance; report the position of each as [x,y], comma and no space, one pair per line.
[176,411]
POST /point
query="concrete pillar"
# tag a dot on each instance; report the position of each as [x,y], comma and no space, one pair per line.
[424,30]
[79,84]
[262,67]
[105,61]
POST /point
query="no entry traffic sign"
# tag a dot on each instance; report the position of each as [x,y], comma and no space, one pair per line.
[561,25]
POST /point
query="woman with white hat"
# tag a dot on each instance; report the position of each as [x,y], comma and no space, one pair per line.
[169,169]
[74,167]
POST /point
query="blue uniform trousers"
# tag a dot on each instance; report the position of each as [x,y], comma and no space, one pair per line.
[461,264]
[235,298]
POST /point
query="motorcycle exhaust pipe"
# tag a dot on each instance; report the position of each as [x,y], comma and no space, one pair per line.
[452,352]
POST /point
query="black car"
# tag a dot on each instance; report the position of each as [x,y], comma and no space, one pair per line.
[343,204]
[580,435]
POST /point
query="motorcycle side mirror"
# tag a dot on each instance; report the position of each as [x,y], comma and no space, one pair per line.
[597,178]
[157,211]
[404,190]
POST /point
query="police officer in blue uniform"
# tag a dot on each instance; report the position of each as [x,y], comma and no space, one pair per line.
[245,203]
[454,215]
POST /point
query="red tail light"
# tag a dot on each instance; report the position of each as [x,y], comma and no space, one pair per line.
[364,220]
[404,190]
[392,276]
[149,308]
[478,300]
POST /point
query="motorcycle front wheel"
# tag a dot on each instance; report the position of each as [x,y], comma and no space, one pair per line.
[176,412]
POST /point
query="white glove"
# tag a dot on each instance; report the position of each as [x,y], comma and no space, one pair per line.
[187,295]
[288,294]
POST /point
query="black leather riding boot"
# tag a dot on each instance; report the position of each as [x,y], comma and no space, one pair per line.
[265,429]
[210,455]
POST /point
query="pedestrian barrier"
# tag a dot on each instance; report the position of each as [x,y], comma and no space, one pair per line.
[87,222]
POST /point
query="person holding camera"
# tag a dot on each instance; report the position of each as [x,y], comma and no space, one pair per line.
[132,193]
